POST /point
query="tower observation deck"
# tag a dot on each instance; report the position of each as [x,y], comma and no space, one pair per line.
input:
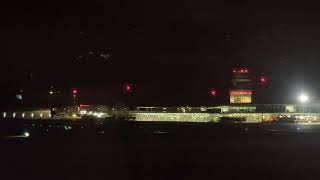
[241,91]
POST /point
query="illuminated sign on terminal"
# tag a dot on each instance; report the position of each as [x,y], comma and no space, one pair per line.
[239,92]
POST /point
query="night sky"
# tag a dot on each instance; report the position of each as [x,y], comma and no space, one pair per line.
[172,52]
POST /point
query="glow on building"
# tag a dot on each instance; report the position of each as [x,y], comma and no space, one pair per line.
[241,92]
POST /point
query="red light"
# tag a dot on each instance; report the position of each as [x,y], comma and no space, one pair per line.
[128,88]
[263,79]
[74,91]
[243,70]
[213,92]
[84,105]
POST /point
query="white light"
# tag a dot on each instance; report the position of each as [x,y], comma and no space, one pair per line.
[41,115]
[303,98]
[26,134]
[14,115]
[4,115]
[32,115]
[83,112]
[99,115]
[23,115]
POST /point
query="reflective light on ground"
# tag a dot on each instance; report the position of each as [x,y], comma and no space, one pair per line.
[160,132]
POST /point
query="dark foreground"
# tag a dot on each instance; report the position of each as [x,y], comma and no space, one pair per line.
[158,151]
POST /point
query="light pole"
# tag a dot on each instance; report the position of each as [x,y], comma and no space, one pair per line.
[74,93]
[127,96]
[213,93]
[263,81]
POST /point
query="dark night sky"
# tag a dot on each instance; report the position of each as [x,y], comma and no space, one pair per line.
[172,52]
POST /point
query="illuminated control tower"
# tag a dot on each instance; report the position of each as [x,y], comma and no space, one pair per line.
[241,91]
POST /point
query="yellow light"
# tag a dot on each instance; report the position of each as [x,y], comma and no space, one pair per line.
[74,115]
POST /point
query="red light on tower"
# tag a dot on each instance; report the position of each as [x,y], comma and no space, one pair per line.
[74,92]
[213,92]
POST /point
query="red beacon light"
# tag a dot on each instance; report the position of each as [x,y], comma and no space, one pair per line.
[128,88]
[263,79]
[74,91]
[213,92]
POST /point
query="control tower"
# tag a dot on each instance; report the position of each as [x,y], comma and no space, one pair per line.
[241,91]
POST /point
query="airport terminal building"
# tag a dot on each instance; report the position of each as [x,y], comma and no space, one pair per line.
[240,107]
